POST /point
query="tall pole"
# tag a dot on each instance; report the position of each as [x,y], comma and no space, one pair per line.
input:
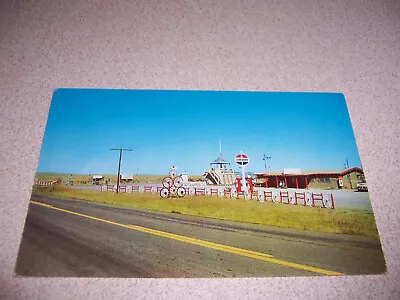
[265,162]
[119,163]
[119,169]
[265,159]
[348,176]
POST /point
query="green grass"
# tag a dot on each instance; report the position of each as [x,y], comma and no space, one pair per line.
[355,222]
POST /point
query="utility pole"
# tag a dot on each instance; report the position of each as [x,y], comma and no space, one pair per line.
[265,159]
[348,176]
[119,163]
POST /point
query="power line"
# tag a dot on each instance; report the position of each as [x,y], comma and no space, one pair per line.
[119,163]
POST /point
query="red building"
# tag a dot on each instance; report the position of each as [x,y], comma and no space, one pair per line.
[303,180]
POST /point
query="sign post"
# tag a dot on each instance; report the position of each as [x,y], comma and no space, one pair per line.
[242,160]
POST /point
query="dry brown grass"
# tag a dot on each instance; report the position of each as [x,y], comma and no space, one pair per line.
[357,222]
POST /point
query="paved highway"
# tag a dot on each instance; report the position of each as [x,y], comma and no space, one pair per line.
[76,238]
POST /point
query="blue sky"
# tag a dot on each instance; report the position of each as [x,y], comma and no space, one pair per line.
[183,128]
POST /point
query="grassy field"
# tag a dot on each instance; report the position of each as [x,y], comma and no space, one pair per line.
[357,222]
[79,178]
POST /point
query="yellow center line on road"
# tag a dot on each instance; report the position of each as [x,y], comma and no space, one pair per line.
[234,250]
[42,204]
[203,243]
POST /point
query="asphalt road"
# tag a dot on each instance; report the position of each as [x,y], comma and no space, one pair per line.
[82,239]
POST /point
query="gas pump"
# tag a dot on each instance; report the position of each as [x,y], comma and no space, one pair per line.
[238,185]
[340,182]
[250,184]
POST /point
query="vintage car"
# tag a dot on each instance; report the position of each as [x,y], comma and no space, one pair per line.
[362,186]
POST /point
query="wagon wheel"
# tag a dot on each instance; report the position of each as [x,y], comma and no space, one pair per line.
[178,181]
[181,192]
[167,182]
[260,197]
[275,197]
[172,173]
[173,190]
[164,193]
[309,199]
[327,201]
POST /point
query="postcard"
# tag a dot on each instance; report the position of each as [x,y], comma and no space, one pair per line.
[199,184]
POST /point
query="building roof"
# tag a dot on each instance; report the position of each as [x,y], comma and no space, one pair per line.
[313,173]
[220,160]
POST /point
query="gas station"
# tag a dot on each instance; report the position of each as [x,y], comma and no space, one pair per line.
[303,180]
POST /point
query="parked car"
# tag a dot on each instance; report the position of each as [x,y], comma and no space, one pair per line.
[362,186]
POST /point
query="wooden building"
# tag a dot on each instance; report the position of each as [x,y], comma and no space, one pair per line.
[349,178]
